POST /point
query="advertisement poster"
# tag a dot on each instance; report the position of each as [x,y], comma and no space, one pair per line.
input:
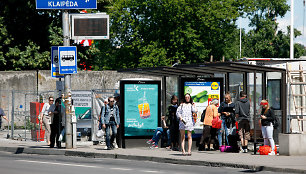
[141,107]
[82,104]
[202,93]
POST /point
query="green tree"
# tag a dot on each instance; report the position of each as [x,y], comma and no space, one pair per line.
[158,33]
[264,40]
[27,34]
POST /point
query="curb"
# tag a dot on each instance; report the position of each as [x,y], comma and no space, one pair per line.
[184,162]
[46,151]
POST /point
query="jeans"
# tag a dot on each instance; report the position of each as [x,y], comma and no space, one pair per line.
[267,133]
[220,131]
[113,126]
[158,133]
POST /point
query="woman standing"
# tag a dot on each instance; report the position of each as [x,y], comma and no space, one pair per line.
[209,133]
[267,118]
[226,110]
[184,113]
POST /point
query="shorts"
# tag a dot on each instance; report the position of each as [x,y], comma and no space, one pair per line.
[244,129]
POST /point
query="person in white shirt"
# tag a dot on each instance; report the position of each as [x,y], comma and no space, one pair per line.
[45,118]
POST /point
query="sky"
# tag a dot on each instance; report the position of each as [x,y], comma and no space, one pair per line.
[285,21]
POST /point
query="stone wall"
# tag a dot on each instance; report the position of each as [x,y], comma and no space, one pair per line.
[28,85]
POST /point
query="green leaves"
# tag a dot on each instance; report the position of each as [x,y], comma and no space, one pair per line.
[147,33]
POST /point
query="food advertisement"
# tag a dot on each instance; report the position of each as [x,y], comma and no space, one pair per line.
[140,109]
[202,93]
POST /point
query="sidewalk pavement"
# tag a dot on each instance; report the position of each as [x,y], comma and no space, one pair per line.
[287,164]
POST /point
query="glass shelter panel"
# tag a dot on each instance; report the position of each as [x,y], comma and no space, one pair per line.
[258,97]
[235,85]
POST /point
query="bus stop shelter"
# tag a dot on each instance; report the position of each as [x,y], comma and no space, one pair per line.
[259,82]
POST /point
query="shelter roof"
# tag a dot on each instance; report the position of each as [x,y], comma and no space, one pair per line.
[203,69]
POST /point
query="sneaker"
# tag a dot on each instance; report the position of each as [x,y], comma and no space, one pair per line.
[245,150]
[154,146]
[107,148]
[271,153]
[150,141]
[115,145]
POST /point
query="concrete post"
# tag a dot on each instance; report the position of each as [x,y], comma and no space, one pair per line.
[68,126]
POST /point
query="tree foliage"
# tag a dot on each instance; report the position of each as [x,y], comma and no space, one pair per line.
[147,33]
[265,40]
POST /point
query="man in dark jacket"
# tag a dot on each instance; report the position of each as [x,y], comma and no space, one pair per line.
[242,111]
[110,119]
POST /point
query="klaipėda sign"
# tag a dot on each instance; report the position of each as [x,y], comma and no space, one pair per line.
[68,4]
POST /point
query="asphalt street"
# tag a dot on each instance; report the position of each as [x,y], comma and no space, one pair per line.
[51,164]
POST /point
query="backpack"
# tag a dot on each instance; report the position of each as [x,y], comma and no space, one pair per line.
[203,115]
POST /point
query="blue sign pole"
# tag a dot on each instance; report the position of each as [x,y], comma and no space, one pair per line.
[68,4]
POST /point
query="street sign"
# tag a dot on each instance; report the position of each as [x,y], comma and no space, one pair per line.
[94,26]
[67,59]
[68,4]
[55,63]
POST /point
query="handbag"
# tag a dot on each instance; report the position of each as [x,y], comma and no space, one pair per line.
[216,123]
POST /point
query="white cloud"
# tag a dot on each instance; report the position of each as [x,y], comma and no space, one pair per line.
[283,23]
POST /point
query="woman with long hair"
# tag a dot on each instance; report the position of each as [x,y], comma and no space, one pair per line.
[266,119]
[184,114]
[226,110]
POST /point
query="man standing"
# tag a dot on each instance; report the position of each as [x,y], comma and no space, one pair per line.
[242,111]
[110,119]
[57,112]
[2,114]
[45,118]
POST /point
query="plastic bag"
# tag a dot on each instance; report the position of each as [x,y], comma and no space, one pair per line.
[100,133]
[265,150]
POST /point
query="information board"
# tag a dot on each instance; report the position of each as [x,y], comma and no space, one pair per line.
[55,63]
[82,104]
[67,59]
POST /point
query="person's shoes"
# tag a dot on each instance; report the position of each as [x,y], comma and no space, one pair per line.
[245,150]
[271,153]
[154,146]
[150,141]
[115,145]
[175,149]
[107,148]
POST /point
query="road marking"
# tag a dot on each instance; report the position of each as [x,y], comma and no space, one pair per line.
[62,164]
[120,169]
[151,171]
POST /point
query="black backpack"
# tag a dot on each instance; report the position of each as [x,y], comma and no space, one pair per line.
[203,115]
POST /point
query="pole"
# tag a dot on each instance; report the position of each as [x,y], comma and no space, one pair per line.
[240,39]
[68,126]
[13,119]
[292,30]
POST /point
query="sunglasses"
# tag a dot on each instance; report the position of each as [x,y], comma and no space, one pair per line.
[112,101]
[51,100]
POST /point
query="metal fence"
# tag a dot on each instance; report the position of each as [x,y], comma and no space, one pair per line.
[25,126]
[16,106]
